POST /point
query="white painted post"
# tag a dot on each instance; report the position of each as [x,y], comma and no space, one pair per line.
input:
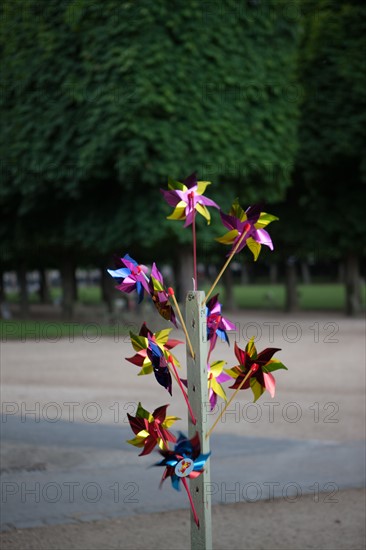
[201,538]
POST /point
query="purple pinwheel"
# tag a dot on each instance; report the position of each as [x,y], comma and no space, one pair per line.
[160,296]
[217,325]
[246,227]
[131,277]
[186,198]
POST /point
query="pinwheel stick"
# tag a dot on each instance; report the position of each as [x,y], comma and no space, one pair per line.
[228,403]
[176,376]
[185,485]
[172,295]
[233,252]
[194,251]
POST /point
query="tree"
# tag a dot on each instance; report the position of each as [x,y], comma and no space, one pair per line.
[102,101]
[331,162]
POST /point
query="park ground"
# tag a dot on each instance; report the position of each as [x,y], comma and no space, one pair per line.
[311,436]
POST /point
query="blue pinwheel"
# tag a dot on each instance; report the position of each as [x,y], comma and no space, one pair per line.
[131,277]
[186,460]
[160,365]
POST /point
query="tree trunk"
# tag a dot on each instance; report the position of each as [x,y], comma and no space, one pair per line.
[2,287]
[228,285]
[44,289]
[292,299]
[184,273]
[107,284]
[23,291]
[341,273]
[75,286]
[305,273]
[353,285]
[245,279]
[273,274]
[68,287]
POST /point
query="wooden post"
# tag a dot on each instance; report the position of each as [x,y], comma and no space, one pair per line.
[201,538]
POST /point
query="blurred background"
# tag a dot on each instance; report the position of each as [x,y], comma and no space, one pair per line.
[102,101]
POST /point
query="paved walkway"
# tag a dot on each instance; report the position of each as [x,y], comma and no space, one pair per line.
[64,404]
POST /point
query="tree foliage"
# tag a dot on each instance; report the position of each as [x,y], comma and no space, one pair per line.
[331,161]
[103,100]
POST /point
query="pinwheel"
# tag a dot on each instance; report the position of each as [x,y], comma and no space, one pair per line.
[187,198]
[217,325]
[160,365]
[186,460]
[151,429]
[216,377]
[131,277]
[140,343]
[246,228]
[153,355]
[255,368]
[160,296]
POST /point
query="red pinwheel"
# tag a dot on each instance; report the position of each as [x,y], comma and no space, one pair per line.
[185,461]
[259,366]
[131,277]
[246,228]
[151,429]
[217,325]
[160,296]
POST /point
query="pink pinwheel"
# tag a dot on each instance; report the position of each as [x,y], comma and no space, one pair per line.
[186,198]
[160,296]
[259,365]
[216,377]
[217,325]
[151,429]
[246,228]
[132,277]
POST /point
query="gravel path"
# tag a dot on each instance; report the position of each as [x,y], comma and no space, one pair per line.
[81,389]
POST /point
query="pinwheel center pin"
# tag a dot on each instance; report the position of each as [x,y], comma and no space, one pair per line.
[184,467]
[254,367]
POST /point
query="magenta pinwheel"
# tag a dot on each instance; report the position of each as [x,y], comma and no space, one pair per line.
[160,296]
[246,228]
[187,198]
[151,429]
[131,277]
[217,325]
[259,366]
